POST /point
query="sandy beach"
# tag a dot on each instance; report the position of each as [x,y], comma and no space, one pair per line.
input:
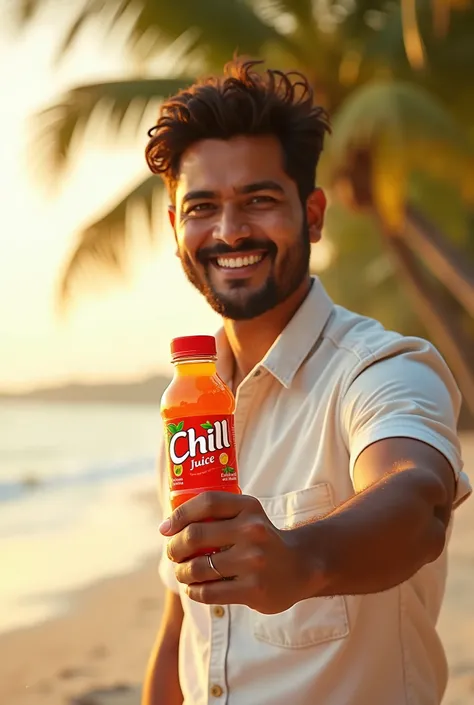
[96,653]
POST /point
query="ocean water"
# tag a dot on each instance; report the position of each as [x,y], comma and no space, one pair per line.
[70,478]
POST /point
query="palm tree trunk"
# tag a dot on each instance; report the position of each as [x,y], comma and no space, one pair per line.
[353,185]
[445,261]
[438,320]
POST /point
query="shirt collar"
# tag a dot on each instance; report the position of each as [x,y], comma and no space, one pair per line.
[294,343]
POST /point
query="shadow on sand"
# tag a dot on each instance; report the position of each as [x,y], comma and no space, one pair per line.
[115,695]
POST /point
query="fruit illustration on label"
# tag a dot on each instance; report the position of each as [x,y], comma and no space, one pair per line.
[178,470]
[223,458]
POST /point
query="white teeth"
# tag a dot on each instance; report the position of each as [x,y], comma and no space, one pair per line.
[233,262]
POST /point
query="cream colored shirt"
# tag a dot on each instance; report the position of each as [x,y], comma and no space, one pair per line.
[333,383]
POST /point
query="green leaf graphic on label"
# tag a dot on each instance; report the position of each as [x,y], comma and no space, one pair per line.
[173,428]
[207,425]
[178,470]
[228,470]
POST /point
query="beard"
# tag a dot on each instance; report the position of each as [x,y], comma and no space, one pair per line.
[242,302]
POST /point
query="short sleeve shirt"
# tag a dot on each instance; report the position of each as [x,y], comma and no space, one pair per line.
[333,383]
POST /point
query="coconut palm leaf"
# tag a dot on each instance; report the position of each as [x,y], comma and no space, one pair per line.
[413,35]
[301,10]
[103,245]
[91,9]
[412,39]
[405,129]
[361,276]
[296,22]
[27,9]
[118,101]
[427,20]
[222,27]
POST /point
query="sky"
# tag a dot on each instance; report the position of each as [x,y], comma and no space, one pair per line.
[123,330]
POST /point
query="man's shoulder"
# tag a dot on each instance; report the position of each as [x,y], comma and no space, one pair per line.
[375,359]
[367,341]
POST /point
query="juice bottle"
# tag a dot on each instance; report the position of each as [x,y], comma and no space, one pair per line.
[197,409]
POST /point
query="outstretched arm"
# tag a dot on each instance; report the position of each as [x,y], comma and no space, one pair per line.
[394,524]
[374,541]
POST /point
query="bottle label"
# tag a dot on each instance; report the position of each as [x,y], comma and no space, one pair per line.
[201,452]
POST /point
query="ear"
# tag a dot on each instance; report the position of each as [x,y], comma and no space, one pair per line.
[172,215]
[172,219]
[315,210]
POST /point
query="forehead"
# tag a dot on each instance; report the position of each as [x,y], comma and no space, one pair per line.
[224,165]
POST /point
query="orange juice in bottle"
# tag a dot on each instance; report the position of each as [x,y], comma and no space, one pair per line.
[197,409]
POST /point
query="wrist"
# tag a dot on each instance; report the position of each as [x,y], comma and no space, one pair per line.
[316,557]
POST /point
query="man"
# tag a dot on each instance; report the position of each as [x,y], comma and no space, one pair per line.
[349,460]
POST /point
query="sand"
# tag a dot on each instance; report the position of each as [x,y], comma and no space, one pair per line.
[102,642]
[96,653]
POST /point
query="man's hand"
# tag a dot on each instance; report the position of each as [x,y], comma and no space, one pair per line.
[262,564]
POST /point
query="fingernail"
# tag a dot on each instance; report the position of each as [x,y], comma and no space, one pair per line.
[165,526]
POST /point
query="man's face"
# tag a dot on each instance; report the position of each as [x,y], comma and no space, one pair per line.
[240,227]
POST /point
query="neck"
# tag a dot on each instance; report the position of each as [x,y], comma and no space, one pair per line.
[251,340]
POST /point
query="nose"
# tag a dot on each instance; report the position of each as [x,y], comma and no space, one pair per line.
[230,228]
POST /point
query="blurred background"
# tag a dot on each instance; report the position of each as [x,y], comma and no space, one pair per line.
[91,292]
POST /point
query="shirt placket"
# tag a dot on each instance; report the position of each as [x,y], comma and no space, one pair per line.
[220,615]
[220,625]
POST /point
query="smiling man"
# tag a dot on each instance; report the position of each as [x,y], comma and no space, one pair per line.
[348,454]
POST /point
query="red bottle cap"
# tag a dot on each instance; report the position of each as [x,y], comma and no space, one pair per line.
[193,346]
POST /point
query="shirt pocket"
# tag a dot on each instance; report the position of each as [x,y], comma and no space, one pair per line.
[318,619]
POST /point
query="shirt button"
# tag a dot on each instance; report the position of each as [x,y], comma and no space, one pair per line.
[216,691]
[218,611]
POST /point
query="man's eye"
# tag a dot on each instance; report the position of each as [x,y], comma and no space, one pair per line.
[257,200]
[199,208]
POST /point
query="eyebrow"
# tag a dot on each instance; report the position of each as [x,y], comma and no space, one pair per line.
[260,186]
[242,190]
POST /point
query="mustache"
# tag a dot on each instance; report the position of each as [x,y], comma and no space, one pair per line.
[249,245]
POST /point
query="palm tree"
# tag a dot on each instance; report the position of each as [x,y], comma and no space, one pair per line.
[389,130]
[369,171]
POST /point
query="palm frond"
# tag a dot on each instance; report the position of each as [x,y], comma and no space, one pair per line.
[402,108]
[119,101]
[103,245]
[300,10]
[425,22]
[89,10]
[405,129]
[27,9]
[308,43]
[223,27]
[361,276]
[413,37]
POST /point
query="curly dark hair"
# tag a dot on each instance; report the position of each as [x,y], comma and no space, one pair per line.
[242,102]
